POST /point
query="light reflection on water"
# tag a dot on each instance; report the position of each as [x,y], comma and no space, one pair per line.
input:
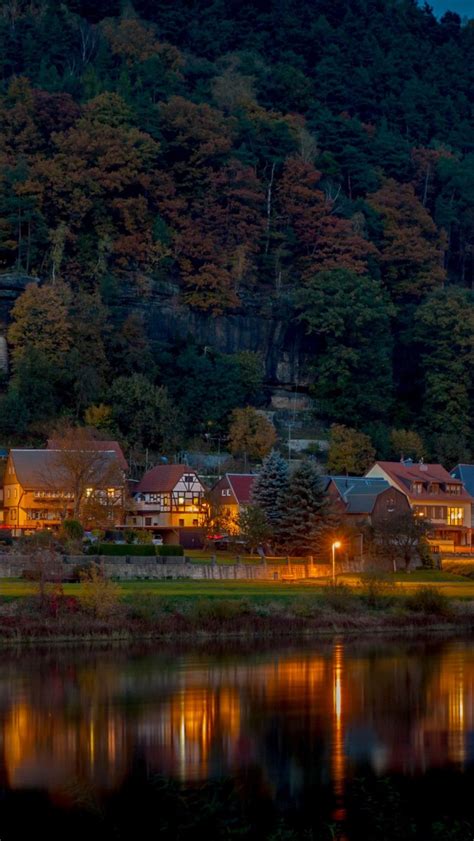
[84,718]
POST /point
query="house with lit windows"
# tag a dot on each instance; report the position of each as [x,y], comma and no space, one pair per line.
[38,487]
[434,494]
[232,493]
[169,501]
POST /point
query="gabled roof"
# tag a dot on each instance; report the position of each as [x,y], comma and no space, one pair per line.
[96,445]
[241,486]
[45,469]
[405,473]
[359,493]
[465,473]
[163,478]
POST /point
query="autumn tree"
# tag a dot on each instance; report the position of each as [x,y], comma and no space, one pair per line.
[411,247]
[406,443]
[40,321]
[350,451]
[250,433]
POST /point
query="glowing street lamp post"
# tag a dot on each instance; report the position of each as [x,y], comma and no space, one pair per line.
[335,545]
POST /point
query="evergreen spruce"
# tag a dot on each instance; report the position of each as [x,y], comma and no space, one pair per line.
[307,518]
[270,490]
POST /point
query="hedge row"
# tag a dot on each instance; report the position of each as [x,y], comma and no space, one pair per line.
[140,549]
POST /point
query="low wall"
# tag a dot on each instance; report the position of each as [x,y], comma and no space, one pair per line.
[160,568]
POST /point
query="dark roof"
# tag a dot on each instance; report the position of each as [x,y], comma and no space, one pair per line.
[465,472]
[241,486]
[163,478]
[96,445]
[45,469]
[359,493]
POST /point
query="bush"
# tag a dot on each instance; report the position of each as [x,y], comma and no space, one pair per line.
[429,600]
[220,610]
[340,597]
[377,590]
[171,551]
[98,596]
[121,549]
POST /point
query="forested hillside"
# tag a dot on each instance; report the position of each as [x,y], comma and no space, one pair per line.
[307,159]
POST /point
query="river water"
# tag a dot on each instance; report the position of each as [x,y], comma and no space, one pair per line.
[343,739]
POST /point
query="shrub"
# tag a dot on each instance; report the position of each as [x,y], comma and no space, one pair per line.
[72,530]
[221,610]
[98,596]
[429,600]
[170,550]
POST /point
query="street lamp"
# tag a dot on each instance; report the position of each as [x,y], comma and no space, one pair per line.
[335,545]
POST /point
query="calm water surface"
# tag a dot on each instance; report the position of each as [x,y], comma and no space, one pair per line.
[345,740]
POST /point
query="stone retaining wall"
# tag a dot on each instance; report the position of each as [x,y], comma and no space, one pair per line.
[159,568]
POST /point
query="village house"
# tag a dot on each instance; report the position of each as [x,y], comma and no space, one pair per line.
[363,501]
[435,495]
[39,487]
[232,493]
[169,501]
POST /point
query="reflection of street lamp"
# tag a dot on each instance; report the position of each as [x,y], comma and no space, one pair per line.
[335,545]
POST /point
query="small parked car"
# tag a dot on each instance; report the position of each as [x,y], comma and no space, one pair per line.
[157,540]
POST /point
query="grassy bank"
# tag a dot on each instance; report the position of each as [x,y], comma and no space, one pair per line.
[189,609]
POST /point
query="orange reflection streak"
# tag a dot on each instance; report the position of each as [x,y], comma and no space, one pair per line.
[338,759]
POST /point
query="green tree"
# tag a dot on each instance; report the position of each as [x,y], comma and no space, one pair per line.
[144,413]
[307,518]
[350,451]
[350,317]
[269,491]
[253,526]
[444,331]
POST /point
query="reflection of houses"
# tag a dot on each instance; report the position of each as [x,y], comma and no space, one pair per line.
[39,486]
[434,494]
[232,493]
[168,499]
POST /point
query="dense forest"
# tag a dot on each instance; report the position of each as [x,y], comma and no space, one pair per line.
[307,159]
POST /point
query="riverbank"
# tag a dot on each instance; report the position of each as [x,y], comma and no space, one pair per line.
[370,609]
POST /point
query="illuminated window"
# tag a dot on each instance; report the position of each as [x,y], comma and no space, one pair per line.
[110,492]
[455,516]
[88,492]
[195,500]
[181,500]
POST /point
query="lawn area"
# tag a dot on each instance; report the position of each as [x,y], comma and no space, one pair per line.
[455,586]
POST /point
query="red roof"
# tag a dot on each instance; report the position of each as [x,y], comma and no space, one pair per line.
[405,474]
[241,486]
[100,446]
[163,478]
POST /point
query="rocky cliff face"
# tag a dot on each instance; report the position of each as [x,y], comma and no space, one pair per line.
[11,286]
[283,346]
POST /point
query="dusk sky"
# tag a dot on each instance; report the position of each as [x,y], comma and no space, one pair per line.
[463,7]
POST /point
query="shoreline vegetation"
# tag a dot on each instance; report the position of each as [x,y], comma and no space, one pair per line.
[101,610]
